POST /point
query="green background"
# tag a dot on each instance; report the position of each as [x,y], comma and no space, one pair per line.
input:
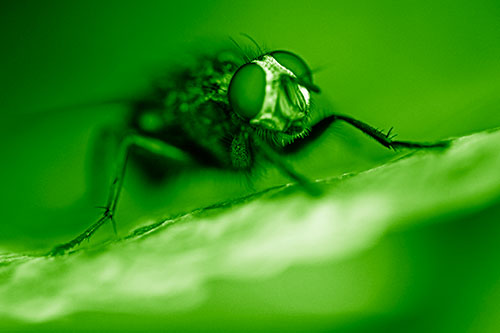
[431,69]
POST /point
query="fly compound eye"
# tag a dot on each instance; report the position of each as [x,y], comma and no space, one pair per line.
[297,66]
[247,90]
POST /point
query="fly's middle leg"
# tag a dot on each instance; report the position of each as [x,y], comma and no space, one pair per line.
[150,144]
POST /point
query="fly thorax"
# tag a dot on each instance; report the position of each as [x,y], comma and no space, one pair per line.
[286,102]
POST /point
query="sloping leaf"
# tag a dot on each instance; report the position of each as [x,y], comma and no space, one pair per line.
[275,254]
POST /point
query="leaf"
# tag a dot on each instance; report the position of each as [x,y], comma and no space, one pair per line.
[278,253]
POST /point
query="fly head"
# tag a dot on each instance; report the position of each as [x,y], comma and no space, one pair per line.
[273,94]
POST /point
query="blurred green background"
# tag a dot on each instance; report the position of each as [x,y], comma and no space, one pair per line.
[431,69]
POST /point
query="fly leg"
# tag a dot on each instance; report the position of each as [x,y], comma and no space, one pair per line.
[277,160]
[150,144]
[102,158]
[386,139]
[383,138]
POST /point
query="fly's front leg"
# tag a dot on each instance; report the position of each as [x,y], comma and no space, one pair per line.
[386,139]
[152,145]
[277,160]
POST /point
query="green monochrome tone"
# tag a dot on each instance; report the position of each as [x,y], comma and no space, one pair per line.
[256,196]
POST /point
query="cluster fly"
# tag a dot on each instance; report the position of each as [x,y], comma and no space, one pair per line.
[226,112]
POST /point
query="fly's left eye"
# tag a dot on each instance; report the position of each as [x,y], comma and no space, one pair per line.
[247,90]
[296,65]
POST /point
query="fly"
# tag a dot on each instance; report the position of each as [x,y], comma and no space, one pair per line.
[226,112]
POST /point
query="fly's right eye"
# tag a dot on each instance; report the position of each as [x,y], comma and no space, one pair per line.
[247,90]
